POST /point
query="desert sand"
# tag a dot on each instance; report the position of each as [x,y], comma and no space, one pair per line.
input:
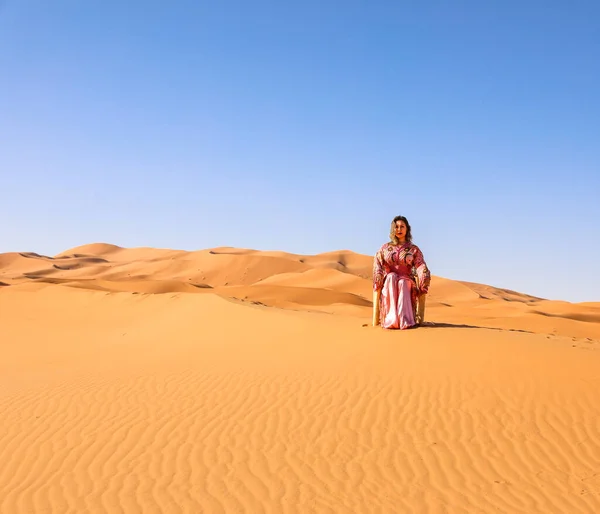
[143,380]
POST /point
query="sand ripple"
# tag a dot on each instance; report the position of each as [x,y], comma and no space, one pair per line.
[230,380]
[252,442]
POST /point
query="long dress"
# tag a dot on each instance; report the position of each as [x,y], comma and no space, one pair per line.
[401,274]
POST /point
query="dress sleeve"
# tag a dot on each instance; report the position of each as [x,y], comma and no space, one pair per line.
[378,271]
[423,273]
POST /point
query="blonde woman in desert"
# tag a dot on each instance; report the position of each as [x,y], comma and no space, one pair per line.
[401,280]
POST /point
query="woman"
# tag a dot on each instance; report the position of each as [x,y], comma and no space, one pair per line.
[400,277]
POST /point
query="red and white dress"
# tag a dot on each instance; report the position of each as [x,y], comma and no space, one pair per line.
[401,274]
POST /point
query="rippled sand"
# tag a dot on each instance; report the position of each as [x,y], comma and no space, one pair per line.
[230,380]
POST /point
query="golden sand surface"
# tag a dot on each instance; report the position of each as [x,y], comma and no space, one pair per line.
[144,380]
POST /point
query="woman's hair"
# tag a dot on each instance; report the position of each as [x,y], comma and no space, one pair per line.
[393,237]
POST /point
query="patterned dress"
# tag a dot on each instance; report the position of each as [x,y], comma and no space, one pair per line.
[401,274]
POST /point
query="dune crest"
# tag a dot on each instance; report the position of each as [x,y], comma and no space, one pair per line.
[337,282]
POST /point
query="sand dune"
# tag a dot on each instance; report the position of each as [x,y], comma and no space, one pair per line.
[145,380]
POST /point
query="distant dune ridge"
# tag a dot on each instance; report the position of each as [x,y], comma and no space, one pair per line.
[334,282]
[145,380]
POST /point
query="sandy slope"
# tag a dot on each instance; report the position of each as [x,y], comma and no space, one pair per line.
[251,384]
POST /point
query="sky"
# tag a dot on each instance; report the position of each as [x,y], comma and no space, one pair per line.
[306,127]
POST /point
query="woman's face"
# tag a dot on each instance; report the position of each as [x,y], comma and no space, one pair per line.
[400,230]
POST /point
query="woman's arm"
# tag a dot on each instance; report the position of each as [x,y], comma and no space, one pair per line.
[423,272]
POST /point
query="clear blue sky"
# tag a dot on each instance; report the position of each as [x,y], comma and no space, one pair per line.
[305,127]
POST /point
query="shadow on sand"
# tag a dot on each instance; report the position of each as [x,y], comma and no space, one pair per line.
[430,324]
[462,325]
